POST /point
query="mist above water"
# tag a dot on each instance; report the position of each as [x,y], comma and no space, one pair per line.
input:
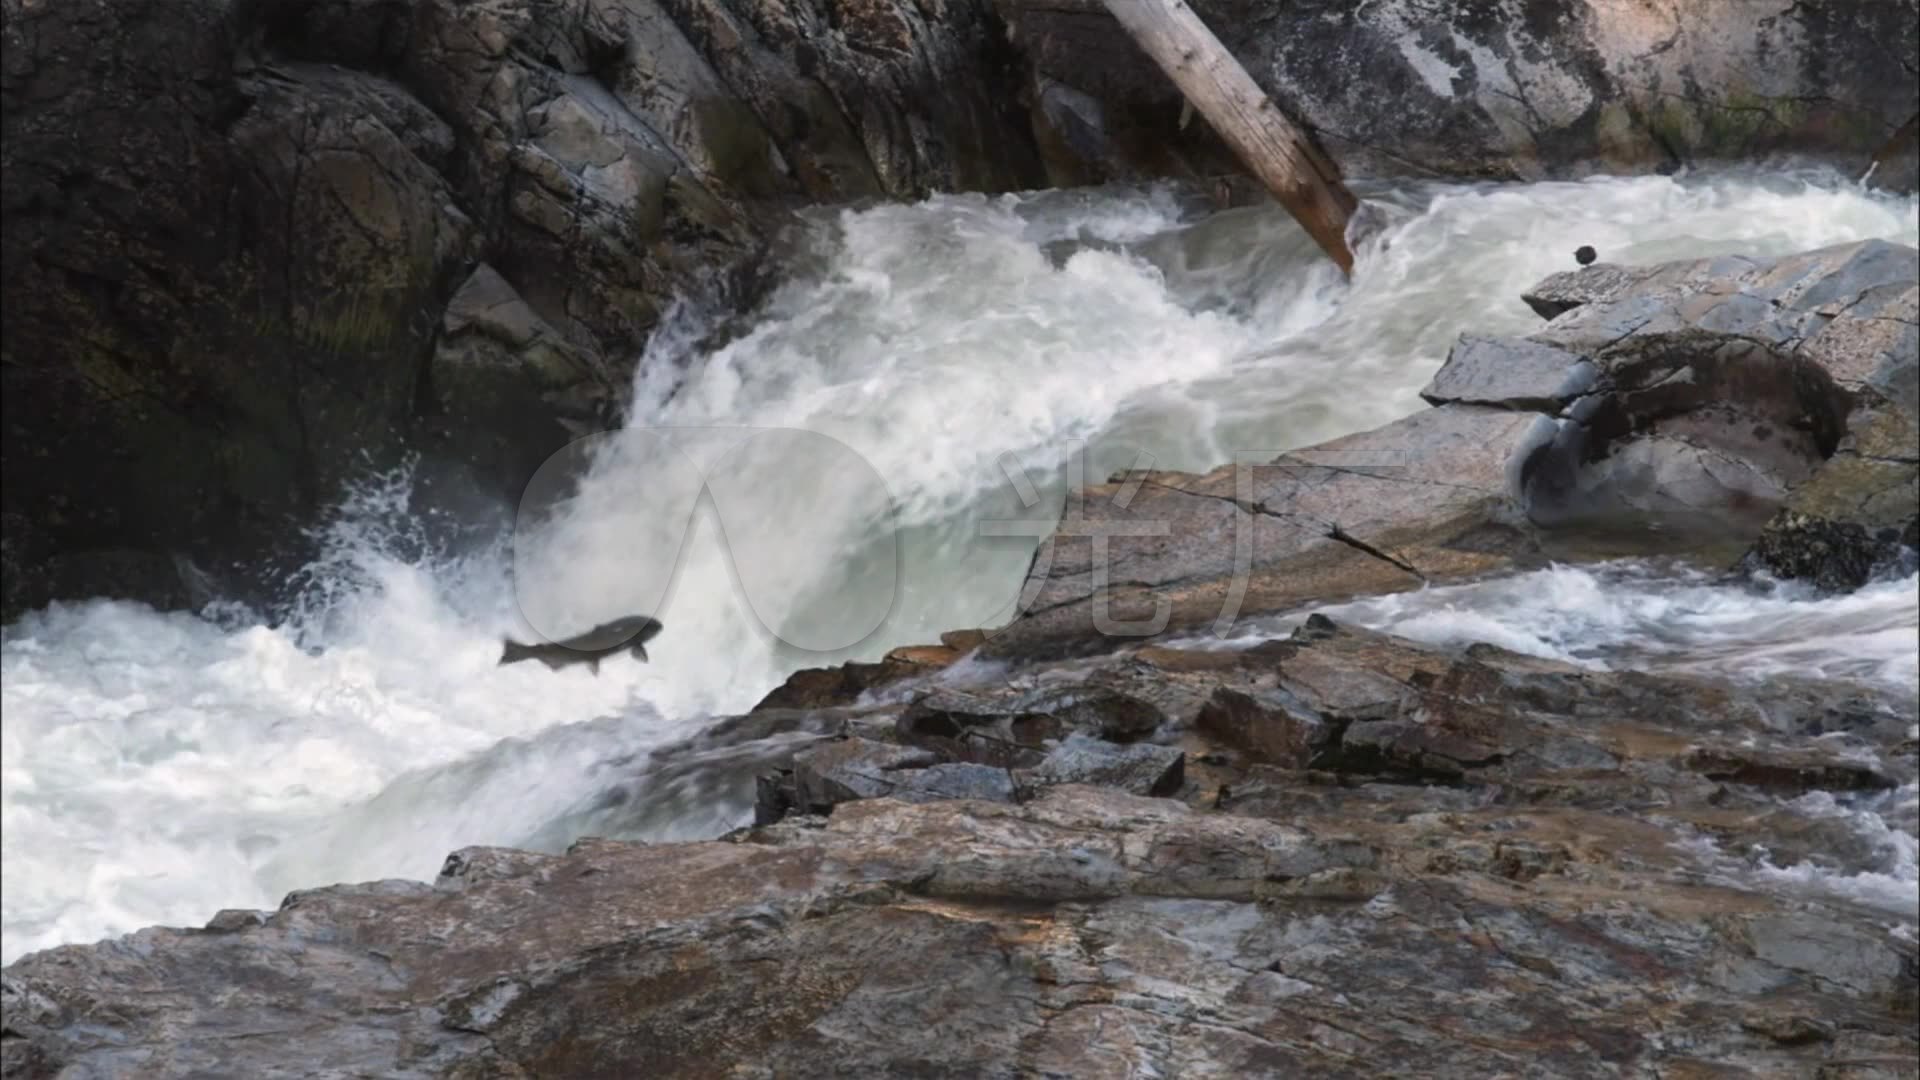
[947,359]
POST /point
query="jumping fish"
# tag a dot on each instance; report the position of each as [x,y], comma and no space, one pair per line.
[629,634]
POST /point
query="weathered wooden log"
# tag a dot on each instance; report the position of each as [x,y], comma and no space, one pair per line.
[1302,178]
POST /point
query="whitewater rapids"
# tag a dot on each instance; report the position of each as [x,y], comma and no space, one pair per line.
[155,768]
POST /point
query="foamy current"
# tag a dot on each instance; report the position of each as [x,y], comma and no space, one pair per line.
[947,358]
[1639,615]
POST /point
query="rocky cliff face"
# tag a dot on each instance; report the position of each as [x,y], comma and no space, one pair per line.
[254,248]
[1329,852]
[1510,89]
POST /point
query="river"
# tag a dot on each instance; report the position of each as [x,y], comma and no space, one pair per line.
[948,358]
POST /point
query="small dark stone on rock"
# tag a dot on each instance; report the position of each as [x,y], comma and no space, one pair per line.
[230,920]
[1585,255]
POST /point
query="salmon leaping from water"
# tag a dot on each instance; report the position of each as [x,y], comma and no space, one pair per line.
[630,634]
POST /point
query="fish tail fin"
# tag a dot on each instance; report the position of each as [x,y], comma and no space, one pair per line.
[514,652]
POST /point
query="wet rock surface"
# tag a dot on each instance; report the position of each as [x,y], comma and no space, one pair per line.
[1378,856]
[1848,316]
[1712,407]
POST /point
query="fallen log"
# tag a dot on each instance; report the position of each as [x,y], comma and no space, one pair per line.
[1302,178]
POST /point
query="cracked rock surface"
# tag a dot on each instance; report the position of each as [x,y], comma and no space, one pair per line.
[1509,89]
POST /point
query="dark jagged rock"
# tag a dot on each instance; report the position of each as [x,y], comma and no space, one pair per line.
[1792,772]
[958,780]
[1272,726]
[1098,711]
[835,772]
[1896,167]
[1363,708]
[818,688]
[255,248]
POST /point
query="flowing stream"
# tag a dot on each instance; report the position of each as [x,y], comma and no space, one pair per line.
[838,479]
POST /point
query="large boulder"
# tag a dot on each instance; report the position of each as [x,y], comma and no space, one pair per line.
[256,248]
[1841,329]
[1433,496]
[1511,89]
[1667,410]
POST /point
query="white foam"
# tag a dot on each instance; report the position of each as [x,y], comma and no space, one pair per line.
[1653,617]
[1893,887]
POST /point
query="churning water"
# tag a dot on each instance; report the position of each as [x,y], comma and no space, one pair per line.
[948,358]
